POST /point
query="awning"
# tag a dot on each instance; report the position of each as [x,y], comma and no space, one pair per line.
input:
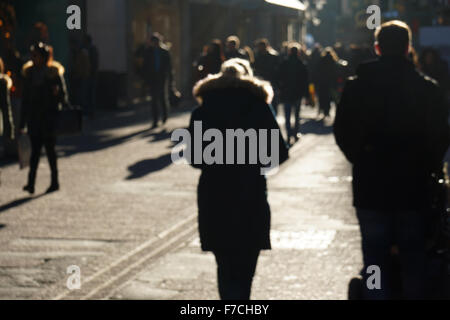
[293,4]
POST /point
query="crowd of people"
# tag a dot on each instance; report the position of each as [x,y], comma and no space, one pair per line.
[391,124]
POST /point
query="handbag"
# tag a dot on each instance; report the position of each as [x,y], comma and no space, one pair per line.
[69,122]
[24,150]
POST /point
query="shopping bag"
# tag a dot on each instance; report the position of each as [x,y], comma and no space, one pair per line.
[24,150]
[69,122]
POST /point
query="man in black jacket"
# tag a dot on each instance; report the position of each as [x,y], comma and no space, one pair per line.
[293,79]
[158,75]
[392,125]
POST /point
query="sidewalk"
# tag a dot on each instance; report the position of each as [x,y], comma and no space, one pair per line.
[315,238]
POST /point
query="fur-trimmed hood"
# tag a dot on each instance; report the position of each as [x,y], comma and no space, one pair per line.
[261,89]
[54,69]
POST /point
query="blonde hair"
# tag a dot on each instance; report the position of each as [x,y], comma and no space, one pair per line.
[234,39]
[236,68]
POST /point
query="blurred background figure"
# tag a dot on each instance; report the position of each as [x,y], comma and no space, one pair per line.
[293,79]
[326,80]
[233,49]
[43,94]
[80,71]
[432,65]
[313,62]
[266,66]
[92,52]
[234,214]
[211,60]
[158,73]
[250,54]
[8,131]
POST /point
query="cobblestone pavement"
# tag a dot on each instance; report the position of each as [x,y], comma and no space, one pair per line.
[126,216]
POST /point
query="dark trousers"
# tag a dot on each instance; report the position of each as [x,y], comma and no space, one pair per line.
[37,142]
[235,271]
[159,102]
[380,231]
[325,98]
[80,92]
[287,114]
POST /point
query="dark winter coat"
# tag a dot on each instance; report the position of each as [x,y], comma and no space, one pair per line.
[266,67]
[163,75]
[392,125]
[208,64]
[232,199]
[236,53]
[326,75]
[44,94]
[293,80]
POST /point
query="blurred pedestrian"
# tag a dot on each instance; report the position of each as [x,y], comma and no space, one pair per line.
[80,71]
[435,67]
[93,73]
[234,215]
[233,49]
[211,60]
[44,94]
[8,131]
[313,62]
[392,125]
[326,81]
[158,72]
[294,83]
[266,66]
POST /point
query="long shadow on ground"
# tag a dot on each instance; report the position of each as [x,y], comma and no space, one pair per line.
[145,167]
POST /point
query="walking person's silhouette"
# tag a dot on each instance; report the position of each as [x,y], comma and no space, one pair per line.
[44,93]
[392,125]
[234,214]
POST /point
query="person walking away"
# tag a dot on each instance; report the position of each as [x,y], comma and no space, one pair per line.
[211,60]
[293,87]
[79,77]
[312,63]
[392,125]
[233,49]
[327,70]
[234,214]
[8,131]
[93,73]
[158,68]
[44,93]
[266,66]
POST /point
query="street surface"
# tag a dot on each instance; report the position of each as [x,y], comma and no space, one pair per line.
[127,217]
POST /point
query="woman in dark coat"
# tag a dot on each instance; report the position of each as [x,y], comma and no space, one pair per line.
[44,93]
[234,215]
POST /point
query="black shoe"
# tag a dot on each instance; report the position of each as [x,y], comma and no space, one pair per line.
[53,188]
[29,188]
[154,126]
